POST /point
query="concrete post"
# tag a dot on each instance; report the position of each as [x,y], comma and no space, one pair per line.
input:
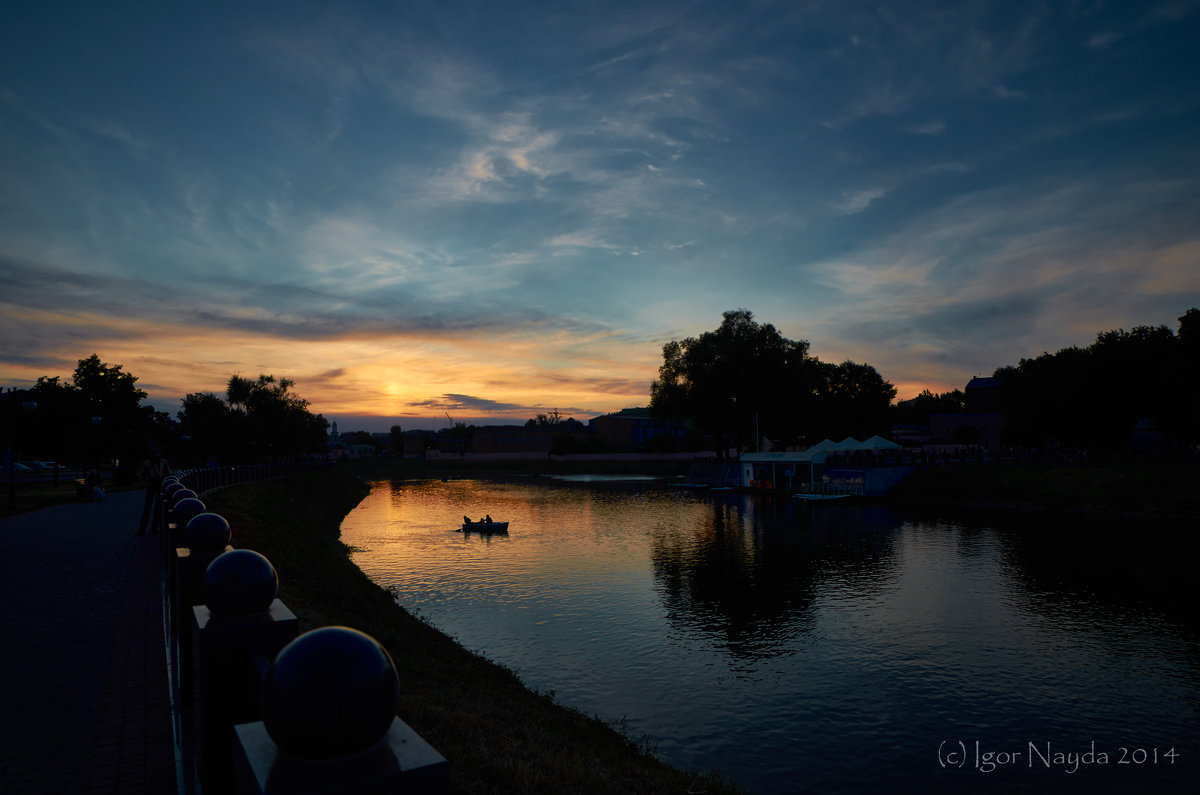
[329,724]
[240,629]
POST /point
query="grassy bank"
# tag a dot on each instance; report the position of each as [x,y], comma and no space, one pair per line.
[401,469]
[498,735]
[1148,489]
[33,495]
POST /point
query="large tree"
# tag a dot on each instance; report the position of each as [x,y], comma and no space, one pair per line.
[745,381]
[211,430]
[96,419]
[259,419]
[853,400]
[742,379]
[278,420]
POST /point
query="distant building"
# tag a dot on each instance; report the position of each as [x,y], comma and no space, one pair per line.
[417,442]
[981,425]
[630,429]
[513,439]
[910,435]
[982,396]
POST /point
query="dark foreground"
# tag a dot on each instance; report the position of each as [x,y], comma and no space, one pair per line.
[498,735]
[83,679]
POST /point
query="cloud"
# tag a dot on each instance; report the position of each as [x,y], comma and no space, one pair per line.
[470,403]
[937,127]
[997,275]
[1003,92]
[395,206]
[856,201]
[1101,40]
[581,239]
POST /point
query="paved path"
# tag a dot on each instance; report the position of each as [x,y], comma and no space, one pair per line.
[84,704]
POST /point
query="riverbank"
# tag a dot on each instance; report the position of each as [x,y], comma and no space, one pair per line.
[1149,489]
[498,735]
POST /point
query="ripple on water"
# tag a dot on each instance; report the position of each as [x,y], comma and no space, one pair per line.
[824,650]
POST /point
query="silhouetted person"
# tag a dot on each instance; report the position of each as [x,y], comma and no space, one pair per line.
[91,483]
[154,469]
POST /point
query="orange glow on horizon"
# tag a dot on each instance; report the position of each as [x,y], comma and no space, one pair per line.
[507,375]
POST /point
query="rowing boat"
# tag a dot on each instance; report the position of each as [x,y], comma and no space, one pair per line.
[485,527]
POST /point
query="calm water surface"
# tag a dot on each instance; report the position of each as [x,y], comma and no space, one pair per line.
[822,649]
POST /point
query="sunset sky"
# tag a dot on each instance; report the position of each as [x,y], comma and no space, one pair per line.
[495,209]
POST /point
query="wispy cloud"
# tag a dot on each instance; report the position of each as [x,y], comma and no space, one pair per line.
[468,403]
[525,204]
[937,127]
[857,201]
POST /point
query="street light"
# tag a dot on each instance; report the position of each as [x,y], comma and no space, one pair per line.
[29,406]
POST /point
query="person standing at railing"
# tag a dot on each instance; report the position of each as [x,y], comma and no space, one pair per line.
[154,469]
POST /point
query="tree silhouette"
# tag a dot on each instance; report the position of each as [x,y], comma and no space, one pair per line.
[1092,398]
[745,378]
[260,419]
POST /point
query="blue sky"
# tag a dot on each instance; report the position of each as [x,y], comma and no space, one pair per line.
[494,209]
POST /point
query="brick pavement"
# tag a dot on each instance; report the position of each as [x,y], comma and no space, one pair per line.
[84,703]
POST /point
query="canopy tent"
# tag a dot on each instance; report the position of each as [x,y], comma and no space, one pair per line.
[878,443]
[852,445]
[759,468]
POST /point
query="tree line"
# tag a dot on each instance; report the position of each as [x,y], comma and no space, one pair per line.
[98,418]
[255,420]
[738,384]
[1094,398]
[745,382]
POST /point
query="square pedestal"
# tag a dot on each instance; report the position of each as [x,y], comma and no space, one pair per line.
[403,762]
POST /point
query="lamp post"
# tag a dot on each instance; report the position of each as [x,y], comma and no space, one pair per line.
[29,406]
[96,456]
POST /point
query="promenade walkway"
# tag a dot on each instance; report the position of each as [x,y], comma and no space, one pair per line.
[84,704]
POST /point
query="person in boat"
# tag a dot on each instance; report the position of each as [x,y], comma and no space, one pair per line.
[487,519]
[466,519]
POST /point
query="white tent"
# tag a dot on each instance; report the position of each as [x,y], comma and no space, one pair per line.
[848,444]
[878,443]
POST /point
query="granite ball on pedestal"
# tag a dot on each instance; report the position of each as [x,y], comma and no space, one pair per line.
[169,489]
[185,509]
[240,582]
[177,495]
[331,693]
[207,532]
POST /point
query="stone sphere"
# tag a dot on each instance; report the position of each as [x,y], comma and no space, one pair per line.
[175,496]
[207,532]
[330,693]
[168,489]
[185,509]
[240,582]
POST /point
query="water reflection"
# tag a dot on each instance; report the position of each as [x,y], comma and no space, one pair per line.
[1105,564]
[746,572]
[808,647]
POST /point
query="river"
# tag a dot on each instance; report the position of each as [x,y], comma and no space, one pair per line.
[816,648]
